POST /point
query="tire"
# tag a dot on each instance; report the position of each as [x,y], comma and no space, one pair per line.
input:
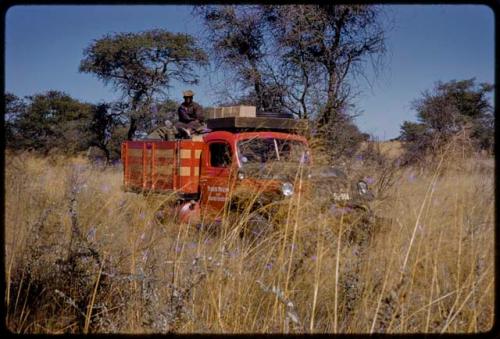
[257,227]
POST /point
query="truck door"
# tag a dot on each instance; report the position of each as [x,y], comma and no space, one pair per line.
[217,160]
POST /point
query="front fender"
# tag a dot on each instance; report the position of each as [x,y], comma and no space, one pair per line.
[189,212]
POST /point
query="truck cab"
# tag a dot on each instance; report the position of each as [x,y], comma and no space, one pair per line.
[251,163]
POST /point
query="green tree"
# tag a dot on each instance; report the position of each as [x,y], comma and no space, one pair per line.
[14,109]
[142,65]
[344,138]
[417,140]
[447,109]
[159,112]
[106,128]
[52,121]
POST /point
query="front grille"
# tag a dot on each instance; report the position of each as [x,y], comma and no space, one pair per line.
[330,190]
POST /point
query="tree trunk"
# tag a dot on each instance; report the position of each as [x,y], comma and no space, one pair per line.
[304,93]
[257,85]
[329,111]
[132,128]
[107,155]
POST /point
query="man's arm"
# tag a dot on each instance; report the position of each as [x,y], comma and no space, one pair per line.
[183,114]
[200,116]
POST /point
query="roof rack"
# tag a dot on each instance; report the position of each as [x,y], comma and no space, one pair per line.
[257,123]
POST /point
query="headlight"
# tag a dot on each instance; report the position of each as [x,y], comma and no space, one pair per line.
[241,176]
[287,189]
[362,187]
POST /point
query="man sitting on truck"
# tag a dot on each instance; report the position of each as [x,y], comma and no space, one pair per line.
[191,120]
[191,117]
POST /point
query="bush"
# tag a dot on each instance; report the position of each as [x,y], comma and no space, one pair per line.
[445,112]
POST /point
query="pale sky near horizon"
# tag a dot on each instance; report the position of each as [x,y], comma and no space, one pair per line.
[427,43]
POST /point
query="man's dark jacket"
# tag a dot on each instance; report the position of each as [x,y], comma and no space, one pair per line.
[189,113]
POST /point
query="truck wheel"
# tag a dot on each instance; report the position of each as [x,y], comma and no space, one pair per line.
[257,226]
[212,228]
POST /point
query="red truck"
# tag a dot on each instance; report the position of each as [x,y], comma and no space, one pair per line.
[259,154]
[255,157]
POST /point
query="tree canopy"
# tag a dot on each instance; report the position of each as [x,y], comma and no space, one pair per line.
[298,59]
[54,122]
[236,36]
[447,109]
[327,44]
[142,65]
[47,121]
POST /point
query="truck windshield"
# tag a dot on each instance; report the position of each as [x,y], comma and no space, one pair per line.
[271,157]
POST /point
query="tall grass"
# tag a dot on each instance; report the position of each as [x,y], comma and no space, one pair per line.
[82,256]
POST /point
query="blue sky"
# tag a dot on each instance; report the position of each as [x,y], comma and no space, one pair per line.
[44,46]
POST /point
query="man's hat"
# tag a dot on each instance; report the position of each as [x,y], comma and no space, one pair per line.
[188,93]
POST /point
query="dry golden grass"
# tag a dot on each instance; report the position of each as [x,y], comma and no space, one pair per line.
[390,149]
[82,256]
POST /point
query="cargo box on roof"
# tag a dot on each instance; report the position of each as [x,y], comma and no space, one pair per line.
[257,123]
[230,111]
